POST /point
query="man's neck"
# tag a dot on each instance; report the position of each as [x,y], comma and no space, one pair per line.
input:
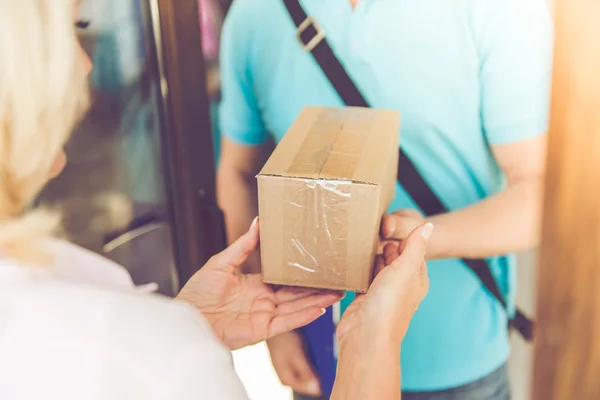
[353,3]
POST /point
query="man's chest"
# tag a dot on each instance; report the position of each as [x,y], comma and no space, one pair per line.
[403,58]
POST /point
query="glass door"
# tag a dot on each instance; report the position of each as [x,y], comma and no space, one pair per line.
[134,188]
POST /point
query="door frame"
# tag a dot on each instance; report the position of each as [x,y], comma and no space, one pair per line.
[197,222]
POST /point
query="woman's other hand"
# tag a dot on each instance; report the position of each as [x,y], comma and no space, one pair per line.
[373,327]
[401,282]
[242,309]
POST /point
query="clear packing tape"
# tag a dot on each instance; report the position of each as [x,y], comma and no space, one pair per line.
[319,208]
[320,236]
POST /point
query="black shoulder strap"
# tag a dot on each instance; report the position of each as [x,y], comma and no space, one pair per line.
[312,39]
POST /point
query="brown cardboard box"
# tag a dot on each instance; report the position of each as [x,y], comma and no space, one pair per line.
[322,195]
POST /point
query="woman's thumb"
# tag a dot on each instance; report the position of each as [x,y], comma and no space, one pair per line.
[235,255]
[415,246]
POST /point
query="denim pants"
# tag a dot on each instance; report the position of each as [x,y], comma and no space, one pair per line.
[495,386]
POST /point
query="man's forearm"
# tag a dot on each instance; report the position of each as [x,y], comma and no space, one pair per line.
[368,367]
[237,197]
[504,223]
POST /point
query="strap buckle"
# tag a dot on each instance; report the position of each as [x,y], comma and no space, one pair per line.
[318,38]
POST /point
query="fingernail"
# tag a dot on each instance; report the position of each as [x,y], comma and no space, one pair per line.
[313,387]
[427,231]
[323,311]
[391,227]
[253,222]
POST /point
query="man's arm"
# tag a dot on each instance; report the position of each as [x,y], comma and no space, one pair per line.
[244,147]
[514,43]
[512,217]
[506,222]
[237,190]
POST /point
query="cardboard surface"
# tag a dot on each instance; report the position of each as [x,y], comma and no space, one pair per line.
[322,194]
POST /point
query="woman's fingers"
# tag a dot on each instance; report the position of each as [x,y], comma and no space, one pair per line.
[294,293]
[317,300]
[415,247]
[235,255]
[286,323]
[298,313]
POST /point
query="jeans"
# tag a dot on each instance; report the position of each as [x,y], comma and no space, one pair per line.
[495,386]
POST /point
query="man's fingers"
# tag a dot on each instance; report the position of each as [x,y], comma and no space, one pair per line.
[408,212]
[318,300]
[235,255]
[379,265]
[390,253]
[287,376]
[388,226]
[397,225]
[300,376]
[309,383]
[311,388]
[415,248]
[292,363]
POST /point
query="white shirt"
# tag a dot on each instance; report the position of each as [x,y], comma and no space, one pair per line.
[81,330]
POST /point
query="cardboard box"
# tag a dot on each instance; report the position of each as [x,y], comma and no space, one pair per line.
[322,194]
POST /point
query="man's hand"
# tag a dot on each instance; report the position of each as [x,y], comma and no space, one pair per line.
[399,224]
[292,365]
[242,309]
[396,227]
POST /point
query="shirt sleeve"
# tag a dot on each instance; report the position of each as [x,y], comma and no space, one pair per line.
[239,113]
[181,348]
[204,367]
[514,40]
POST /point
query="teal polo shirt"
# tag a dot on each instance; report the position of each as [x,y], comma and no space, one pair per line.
[464,74]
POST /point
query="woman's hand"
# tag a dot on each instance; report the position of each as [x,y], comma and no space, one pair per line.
[372,328]
[397,289]
[241,308]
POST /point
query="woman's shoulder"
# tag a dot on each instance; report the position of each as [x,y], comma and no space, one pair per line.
[68,333]
[78,321]
[74,264]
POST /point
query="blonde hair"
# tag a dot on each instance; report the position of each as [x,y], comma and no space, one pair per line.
[43,93]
